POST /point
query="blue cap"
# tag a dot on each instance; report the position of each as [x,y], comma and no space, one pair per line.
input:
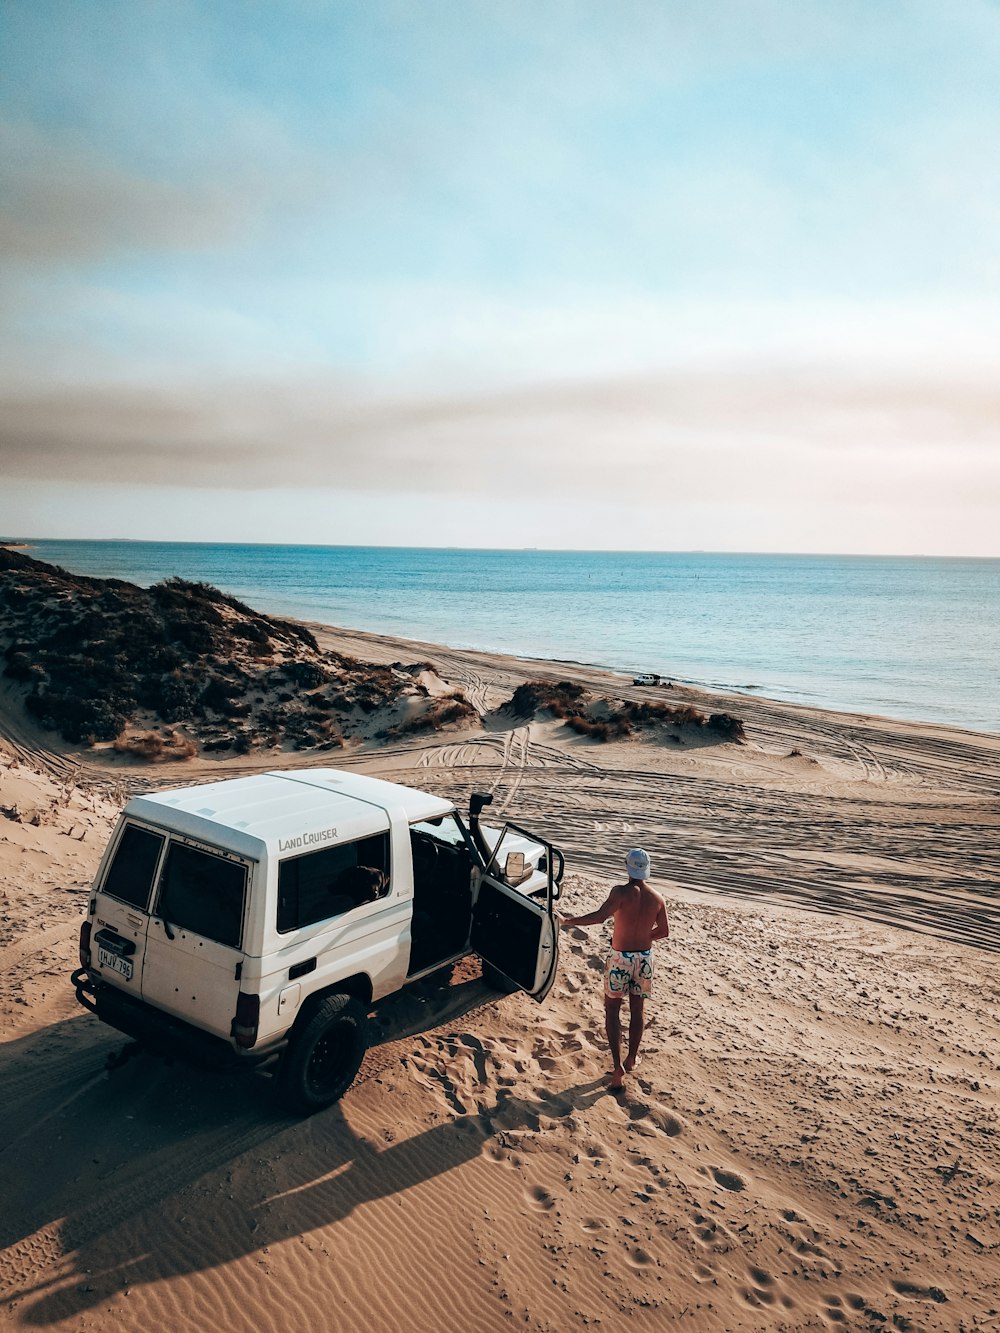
[637,863]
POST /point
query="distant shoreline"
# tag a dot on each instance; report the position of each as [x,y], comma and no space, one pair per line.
[835,633]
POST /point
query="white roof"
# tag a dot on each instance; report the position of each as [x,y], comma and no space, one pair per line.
[286,812]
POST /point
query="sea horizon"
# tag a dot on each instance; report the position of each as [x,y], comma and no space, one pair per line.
[910,637]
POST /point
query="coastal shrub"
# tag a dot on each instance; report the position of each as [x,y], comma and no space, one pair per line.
[20,667]
[161,658]
[76,717]
[254,631]
[440,714]
[561,698]
[92,652]
[307,675]
[219,694]
[150,745]
[414,668]
[728,726]
[606,719]
[687,715]
[216,743]
[600,729]
[173,696]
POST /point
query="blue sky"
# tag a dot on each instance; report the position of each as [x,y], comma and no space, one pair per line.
[641,275]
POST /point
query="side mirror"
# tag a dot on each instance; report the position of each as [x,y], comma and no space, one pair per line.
[513,869]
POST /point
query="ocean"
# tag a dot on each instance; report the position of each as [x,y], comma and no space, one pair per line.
[902,637]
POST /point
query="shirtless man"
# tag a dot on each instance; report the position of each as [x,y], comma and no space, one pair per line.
[640,919]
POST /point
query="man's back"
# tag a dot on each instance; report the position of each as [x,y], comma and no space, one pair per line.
[637,908]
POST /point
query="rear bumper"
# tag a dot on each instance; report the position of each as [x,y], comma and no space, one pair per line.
[159,1032]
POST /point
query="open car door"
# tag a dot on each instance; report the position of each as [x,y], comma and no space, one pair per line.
[513,924]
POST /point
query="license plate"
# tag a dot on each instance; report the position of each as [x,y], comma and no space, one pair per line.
[111,960]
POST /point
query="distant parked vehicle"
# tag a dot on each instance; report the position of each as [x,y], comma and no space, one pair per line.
[645,678]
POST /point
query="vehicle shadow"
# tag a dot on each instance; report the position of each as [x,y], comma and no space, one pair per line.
[94,1155]
[327,1172]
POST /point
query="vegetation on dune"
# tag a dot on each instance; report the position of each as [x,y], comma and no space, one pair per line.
[157,747]
[99,658]
[604,719]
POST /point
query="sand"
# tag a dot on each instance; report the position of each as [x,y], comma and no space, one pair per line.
[809,1141]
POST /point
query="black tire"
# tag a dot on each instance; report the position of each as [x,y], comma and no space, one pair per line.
[497,980]
[324,1056]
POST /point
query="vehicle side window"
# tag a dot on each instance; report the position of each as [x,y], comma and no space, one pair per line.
[203,893]
[328,883]
[130,874]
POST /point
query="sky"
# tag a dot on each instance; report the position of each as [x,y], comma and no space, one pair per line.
[649,275]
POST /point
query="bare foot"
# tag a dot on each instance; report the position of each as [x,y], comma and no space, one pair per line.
[630,1063]
[617,1080]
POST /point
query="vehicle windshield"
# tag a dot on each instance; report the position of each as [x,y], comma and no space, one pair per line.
[446,830]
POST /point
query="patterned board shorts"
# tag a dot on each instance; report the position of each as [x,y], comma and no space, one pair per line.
[628,972]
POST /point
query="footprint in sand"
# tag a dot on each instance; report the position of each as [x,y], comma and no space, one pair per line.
[729,1180]
[762,1288]
[637,1257]
[540,1198]
[593,1224]
[650,1120]
[596,1151]
[833,1311]
[918,1293]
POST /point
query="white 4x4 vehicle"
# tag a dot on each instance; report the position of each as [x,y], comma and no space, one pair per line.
[260,918]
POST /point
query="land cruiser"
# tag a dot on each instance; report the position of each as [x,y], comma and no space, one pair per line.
[258,919]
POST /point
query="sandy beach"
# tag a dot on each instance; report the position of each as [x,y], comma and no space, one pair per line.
[810,1140]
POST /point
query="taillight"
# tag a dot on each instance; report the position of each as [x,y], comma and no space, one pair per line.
[85,944]
[247,1020]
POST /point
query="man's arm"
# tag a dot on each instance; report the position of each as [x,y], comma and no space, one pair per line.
[606,909]
[661,927]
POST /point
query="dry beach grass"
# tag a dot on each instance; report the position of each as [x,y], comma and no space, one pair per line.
[810,1141]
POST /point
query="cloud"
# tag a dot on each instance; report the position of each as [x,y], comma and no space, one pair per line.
[68,200]
[735,437]
[65,202]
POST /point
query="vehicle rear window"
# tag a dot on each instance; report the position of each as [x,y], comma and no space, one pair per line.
[328,883]
[203,893]
[130,874]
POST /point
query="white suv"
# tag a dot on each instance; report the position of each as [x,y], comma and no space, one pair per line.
[259,919]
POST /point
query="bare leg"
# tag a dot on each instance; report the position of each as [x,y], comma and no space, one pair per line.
[635,1027]
[613,1026]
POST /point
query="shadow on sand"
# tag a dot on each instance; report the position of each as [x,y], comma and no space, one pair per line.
[98,1157]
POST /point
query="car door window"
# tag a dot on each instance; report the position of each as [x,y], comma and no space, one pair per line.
[203,893]
[130,874]
[327,883]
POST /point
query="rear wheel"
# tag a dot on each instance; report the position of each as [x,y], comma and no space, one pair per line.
[323,1058]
